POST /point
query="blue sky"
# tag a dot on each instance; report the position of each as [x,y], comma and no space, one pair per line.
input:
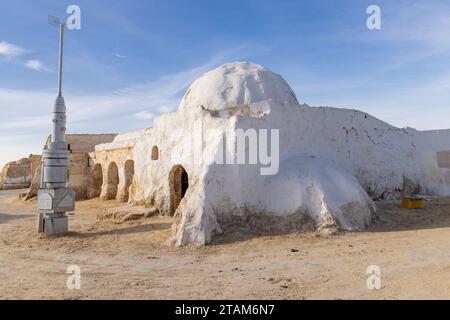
[133,60]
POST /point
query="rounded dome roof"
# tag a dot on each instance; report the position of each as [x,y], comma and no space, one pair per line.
[237,84]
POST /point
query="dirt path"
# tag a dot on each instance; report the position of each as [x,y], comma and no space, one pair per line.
[132,260]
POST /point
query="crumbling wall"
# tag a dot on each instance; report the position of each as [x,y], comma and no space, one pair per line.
[85,142]
[80,146]
[111,173]
[79,174]
[35,184]
[18,174]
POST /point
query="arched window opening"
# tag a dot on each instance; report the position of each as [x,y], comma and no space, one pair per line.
[155,153]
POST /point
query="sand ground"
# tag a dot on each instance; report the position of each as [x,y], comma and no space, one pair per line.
[134,261]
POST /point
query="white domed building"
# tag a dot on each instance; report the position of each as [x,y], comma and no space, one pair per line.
[241,154]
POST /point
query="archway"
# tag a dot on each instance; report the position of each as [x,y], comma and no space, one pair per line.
[179,183]
[129,174]
[113,181]
[97,180]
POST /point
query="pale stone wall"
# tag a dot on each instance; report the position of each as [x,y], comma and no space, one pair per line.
[112,174]
[79,168]
[35,184]
[35,162]
[86,142]
[18,174]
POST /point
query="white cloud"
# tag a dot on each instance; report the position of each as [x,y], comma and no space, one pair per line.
[421,23]
[10,50]
[119,56]
[36,65]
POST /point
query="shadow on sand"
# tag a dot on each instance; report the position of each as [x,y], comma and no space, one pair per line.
[127,230]
[392,217]
[389,218]
[5,217]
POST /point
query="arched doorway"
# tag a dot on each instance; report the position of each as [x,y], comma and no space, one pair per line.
[113,181]
[129,174]
[97,180]
[179,183]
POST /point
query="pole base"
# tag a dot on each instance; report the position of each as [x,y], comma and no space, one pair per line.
[53,226]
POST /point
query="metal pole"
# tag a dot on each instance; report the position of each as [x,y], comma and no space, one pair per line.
[61,47]
[54,197]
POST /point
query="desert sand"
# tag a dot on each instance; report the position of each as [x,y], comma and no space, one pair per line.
[133,260]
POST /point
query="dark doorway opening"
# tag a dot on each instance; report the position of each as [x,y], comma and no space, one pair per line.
[179,183]
[97,180]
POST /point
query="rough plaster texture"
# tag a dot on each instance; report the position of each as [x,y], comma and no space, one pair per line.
[18,174]
[332,162]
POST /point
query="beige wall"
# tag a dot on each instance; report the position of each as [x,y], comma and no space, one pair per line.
[18,174]
[117,167]
[80,165]
[86,142]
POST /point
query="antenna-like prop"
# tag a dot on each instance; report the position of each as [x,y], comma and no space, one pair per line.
[55,198]
[54,21]
[58,23]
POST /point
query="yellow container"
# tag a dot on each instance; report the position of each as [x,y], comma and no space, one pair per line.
[412,203]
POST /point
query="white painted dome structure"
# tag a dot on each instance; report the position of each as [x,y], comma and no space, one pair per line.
[237,84]
[326,164]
